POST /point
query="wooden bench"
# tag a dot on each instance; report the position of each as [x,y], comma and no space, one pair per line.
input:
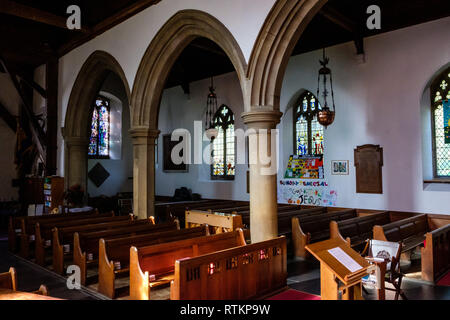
[409,232]
[65,237]
[219,221]
[153,266]
[309,229]
[177,210]
[163,210]
[284,212]
[255,271]
[86,243]
[16,224]
[357,230]
[116,250]
[28,237]
[44,232]
[435,254]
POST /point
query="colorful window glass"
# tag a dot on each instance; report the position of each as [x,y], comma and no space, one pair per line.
[308,134]
[440,96]
[100,129]
[223,153]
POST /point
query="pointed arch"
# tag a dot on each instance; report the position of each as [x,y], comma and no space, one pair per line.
[161,54]
[75,131]
[281,31]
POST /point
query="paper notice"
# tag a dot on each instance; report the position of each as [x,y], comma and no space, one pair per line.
[345,259]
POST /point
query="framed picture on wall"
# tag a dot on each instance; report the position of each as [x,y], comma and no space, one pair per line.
[168,165]
[339,167]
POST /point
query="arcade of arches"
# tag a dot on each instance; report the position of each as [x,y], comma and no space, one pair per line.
[176,65]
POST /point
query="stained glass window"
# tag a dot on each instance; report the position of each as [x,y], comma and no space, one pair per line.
[308,133]
[223,153]
[440,95]
[100,129]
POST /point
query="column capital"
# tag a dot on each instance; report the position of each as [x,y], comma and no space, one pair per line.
[76,141]
[144,135]
[262,119]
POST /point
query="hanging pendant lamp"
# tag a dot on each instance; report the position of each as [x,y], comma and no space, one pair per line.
[326,115]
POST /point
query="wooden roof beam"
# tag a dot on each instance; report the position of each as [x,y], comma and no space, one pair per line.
[106,24]
[22,11]
[345,23]
[9,119]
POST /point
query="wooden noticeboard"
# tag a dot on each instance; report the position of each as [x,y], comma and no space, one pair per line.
[369,163]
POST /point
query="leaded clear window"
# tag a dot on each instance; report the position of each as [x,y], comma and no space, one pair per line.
[223,153]
[440,95]
[308,132]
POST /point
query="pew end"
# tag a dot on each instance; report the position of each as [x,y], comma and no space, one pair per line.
[106,276]
[378,233]
[58,253]
[79,258]
[299,239]
[139,281]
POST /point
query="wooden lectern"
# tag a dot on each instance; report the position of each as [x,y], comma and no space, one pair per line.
[341,269]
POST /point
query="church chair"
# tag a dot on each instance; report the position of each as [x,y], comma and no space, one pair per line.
[390,252]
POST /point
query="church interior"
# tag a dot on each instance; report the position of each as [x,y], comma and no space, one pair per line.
[225,150]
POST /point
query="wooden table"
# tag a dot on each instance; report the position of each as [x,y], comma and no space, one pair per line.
[6,294]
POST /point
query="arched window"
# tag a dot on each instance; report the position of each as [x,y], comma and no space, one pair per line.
[440,114]
[308,132]
[100,130]
[223,164]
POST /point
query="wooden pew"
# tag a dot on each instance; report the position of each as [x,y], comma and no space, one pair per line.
[18,225]
[28,237]
[162,210]
[152,266]
[176,210]
[65,236]
[86,243]
[44,232]
[410,232]
[218,221]
[435,254]
[254,271]
[284,212]
[357,230]
[15,224]
[118,250]
[309,229]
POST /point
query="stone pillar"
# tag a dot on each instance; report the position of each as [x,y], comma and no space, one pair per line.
[76,149]
[263,180]
[144,171]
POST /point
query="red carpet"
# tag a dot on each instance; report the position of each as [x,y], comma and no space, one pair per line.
[445,280]
[292,294]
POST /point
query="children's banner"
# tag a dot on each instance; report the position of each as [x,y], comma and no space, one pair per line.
[304,167]
[311,193]
[446,104]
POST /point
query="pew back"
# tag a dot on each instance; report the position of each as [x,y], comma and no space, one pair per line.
[435,254]
[159,260]
[116,250]
[248,272]
[357,230]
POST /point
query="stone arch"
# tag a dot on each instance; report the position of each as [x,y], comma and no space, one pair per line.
[282,29]
[160,56]
[75,132]
[276,40]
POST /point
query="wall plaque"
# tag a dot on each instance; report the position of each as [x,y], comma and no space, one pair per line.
[369,163]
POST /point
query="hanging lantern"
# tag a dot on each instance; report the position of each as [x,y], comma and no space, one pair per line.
[211,107]
[326,115]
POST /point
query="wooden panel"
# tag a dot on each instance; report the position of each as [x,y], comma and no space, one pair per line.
[368,163]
